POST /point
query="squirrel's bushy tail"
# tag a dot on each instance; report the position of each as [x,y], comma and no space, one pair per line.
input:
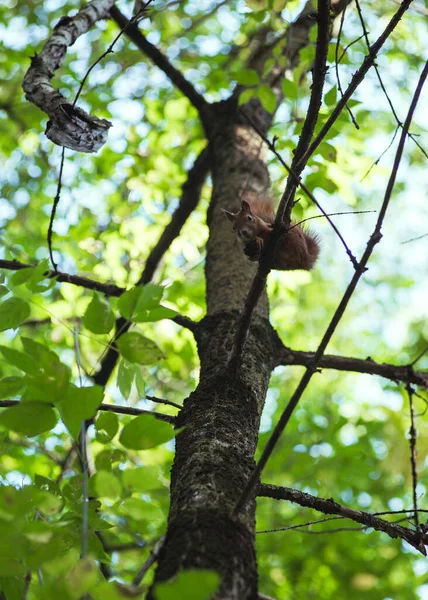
[300,250]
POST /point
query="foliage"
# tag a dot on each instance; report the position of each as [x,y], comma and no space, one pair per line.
[348,439]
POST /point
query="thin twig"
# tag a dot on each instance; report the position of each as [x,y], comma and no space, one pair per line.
[419,356]
[82,83]
[307,524]
[339,85]
[312,367]
[415,239]
[53,211]
[120,410]
[141,13]
[163,401]
[382,85]
[346,48]
[336,214]
[357,78]
[109,289]
[377,161]
[413,454]
[161,61]
[153,556]
[330,507]
[284,210]
[298,181]
[191,191]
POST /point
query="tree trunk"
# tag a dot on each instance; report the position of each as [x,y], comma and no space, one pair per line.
[220,420]
[215,450]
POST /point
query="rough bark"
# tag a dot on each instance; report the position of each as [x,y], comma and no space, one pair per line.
[69,126]
[215,450]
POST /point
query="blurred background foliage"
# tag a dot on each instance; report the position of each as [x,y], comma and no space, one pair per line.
[348,439]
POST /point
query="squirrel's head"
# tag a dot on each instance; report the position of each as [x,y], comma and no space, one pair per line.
[244,222]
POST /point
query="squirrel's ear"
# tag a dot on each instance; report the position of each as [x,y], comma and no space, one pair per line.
[229,215]
[245,206]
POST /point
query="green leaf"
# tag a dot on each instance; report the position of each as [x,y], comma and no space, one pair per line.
[79,405]
[141,479]
[106,426]
[50,383]
[138,349]
[246,96]
[141,298]
[137,508]
[23,361]
[140,383]
[290,89]
[125,377]
[29,418]
[99,317]
[155,314]
[3,290]
[49,504]
[82,578]
[10,386]
[145,431]
[247,77]
[13,312]
[267,98]
[32,276]
[107,485]
[268,66]
[191,584]
[330,97]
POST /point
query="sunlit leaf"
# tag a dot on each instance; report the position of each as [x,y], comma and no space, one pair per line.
[29,418]
[79,405]
[145,431]
[13,312]
[99,317]
[191,584]
[138,349]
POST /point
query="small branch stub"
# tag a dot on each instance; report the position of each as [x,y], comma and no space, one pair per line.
[69,125]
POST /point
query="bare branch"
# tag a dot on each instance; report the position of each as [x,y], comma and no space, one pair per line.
[312,367]
[120,410]
[109,289]
[163,401]
[329,507]
[403,373]
[161,61]
[336,65]
[357,78]
[298,182]
[285,206]
[382,85]
[412,443]
[69,126]
[153,556]
[191,191]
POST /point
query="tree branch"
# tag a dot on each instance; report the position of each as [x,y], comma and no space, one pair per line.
[312,367]
[69,125]
[284,210]
[108,289]
[403,373]
[358,77]
[191,191]
[161,61]
[417,539]
[120,410]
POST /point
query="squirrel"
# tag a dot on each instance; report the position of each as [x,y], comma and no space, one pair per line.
[299,249]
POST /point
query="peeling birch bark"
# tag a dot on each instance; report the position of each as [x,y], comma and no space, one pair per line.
[69,125]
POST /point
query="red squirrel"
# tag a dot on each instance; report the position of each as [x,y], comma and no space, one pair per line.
[299,249]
